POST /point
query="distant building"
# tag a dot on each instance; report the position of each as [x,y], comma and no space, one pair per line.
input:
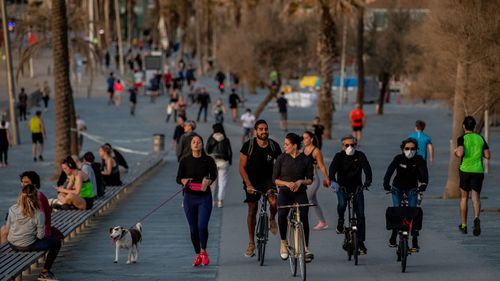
[377,10]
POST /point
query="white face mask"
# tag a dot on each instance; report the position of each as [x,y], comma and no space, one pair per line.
[350,150]
[410,153]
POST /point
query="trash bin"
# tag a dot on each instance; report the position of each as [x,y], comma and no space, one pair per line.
[158,142]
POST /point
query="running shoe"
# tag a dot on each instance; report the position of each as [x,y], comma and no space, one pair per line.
[463,228]
[47,276]
[273,227]
[284,250]
[250,250]
[392,240]
[197,260]
[340,227]
[477,227]
[309,256]
[362,249]
[414,245]
[321,226]
[219,204]
[204,258]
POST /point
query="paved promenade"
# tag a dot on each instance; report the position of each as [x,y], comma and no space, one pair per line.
[166,252]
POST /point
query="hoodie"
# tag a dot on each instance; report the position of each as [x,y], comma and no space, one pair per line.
[23,231]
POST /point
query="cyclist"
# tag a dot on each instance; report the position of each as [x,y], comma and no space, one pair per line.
[346,170]
[257,157]
[247,122]
[292,172]
[471,148]
[411,178]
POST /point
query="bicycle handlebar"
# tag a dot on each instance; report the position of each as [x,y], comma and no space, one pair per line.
[296,206]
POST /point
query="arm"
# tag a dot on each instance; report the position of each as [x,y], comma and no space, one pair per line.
[333,169]
[423,172]
[321,164]
[486,150]
[230,152]
[74,186]
[210,145]
[107,168]
[459,151]
[367,169]
[430,149]
[244,174]
[388,174]
[40,225]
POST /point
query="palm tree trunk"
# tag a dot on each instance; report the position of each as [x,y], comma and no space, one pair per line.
[107,24]
[272,94]
[62,88]
[326,53]
[452,184]
[130,21]
[385,76]
[359,56]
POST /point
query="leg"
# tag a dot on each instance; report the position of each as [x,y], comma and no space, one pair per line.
[206,112]
[284,198]
[273,208]
[117,250]
[476,203]
[33,149]
[191,211]
[312,191]
[129,256]
[251,217]
[52,245]
[204,212]
[222,181]
[341,207]
[199,113]
[41,148]
[3,234]
[464,198]
[359,209]
[301,198]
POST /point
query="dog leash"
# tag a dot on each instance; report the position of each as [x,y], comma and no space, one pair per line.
[161,205]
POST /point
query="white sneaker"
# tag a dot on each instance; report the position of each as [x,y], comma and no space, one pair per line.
[284,250]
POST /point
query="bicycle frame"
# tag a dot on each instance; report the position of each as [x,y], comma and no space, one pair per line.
[351,236]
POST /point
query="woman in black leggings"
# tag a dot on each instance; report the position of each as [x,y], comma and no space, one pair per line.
[293,171]
[196,173]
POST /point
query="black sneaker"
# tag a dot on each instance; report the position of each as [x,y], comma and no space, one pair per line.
[463,228]
[40,157]
[477,227]
[392,240]
[362,248]
[340,227]
[414,243]
[34,159]
[47,276]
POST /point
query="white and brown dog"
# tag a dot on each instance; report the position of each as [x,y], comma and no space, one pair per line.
[127,239]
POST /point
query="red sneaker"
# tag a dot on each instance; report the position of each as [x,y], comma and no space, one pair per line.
[204,258]
[197,260]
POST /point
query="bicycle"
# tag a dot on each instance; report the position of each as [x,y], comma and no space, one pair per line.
[296,239]
[262,229]
[351,245]
[402,219]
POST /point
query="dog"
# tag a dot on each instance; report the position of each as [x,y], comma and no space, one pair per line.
[127,239]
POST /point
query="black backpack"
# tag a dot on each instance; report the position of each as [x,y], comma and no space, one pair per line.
[101,189]
[254,140]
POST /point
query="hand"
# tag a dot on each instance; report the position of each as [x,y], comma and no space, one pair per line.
[387,187]
[326,183]
[205,183]
[422,187]
[366,185]
[185,182]
[292,186]
[335,186]
[250,189]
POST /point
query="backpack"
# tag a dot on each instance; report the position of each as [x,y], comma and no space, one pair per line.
[98,179]
[253,140]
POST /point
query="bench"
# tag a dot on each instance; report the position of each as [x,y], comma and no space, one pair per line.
[70,222]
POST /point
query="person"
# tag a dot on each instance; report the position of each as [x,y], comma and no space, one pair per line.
[346,170]
[97,180]
[179,131]
[45,94]
[167,80]
[184,146]
[316,157]
[172,105]
[218,110]
[190,74]
[23,104]
[357,117]
[471,149]
[26,227]
[411,177]
[31,177]
[292,173]
[110,172]
[78,191]
[257,157]
[38,134]
[219,147]
[132,99]
[247,122]
[119,159]
[234,100]
[138,78]
[118,87]
[107,59]
[81,127]
[196,173]
[220,77]
[318,131]
[86,167]
[181,106]
[203,101]
[282,108]
[4,143]
[111,87]
[425,147]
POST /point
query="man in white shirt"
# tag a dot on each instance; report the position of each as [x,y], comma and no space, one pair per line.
[247,122]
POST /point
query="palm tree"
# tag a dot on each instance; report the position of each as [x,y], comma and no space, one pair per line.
[62,89]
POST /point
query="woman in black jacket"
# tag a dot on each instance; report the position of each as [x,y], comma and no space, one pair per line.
[219,147]
[196,173]
[411,177]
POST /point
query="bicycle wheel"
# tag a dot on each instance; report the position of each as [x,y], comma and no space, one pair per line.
[292,257]
[259,233]
[355,247]
[348,244]
[263,242]
[404,253]
[301,251]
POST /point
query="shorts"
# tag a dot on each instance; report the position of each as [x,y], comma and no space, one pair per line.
[357,128]
[89,203]
[283,116]
[471,181]
[37,138]
[111,90]
[247,131]
[253,197]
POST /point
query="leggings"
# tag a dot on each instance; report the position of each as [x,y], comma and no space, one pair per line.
[312,191]
[287,197]
[202,108]
[198,209]
[51,244]
[3,154]
[221,182]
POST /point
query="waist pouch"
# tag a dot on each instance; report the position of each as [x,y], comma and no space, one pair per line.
[196,187]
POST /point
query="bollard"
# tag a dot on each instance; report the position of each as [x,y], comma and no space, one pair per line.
[158,142]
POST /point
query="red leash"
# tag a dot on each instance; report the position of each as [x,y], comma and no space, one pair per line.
[161,205]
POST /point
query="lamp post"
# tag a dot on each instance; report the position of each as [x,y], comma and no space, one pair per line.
[10,76]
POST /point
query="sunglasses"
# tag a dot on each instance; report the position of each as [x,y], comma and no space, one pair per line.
[410,148]
[349,144]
